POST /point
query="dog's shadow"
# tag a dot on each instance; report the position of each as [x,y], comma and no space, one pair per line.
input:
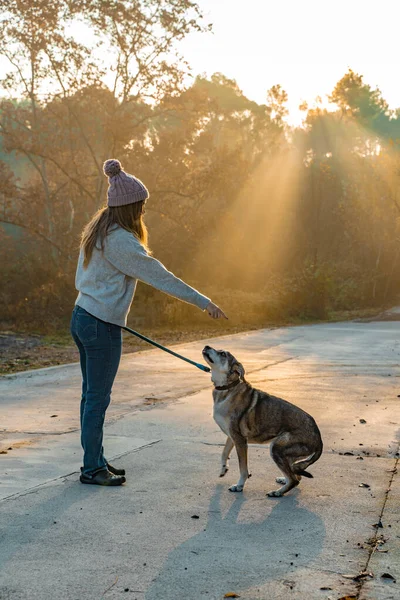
[239,551]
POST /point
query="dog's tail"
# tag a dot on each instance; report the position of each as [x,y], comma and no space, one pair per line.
[305,474]
[302,464]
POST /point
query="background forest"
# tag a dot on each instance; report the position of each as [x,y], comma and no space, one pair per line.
[272,222]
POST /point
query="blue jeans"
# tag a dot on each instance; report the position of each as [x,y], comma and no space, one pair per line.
[100,346]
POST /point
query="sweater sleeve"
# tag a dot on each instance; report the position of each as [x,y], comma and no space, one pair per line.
[127,254]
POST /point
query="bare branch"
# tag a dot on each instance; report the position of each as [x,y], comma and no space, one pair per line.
[3,51]
[67,174]
[35,232]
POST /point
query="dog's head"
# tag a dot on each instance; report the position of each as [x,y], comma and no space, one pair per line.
[224,366]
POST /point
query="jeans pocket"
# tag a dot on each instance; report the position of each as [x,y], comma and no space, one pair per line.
[87,327]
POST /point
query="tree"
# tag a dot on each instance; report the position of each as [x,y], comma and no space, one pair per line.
[364,106]
[69,122]
[276,100]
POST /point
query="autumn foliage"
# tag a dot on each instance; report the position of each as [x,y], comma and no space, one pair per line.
[270,221]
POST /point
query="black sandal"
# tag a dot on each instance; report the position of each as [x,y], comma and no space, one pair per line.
[103,477]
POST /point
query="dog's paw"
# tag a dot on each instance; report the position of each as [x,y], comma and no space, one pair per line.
[223,471]
[275,494]
[236,488]
[281,480]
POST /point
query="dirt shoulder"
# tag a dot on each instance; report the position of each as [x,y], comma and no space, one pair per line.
[21,351]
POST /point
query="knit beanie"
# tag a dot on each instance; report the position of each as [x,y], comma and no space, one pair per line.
[122,187]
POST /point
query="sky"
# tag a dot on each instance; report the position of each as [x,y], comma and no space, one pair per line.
[305,45]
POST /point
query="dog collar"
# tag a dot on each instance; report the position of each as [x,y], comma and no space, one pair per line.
[222,388]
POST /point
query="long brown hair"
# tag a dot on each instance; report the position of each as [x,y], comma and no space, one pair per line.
[129,217]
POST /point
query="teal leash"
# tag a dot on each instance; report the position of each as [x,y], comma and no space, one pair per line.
[153,343]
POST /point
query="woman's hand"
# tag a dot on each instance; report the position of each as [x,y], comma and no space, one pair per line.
[215,312]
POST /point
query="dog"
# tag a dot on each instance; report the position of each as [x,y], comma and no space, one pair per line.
[250,416]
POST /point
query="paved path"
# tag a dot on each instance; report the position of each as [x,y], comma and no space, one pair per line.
[60,540]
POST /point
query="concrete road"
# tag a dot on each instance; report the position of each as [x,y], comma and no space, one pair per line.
[174,531]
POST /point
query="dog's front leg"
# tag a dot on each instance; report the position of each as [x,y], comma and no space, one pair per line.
[241,449]
[225,456]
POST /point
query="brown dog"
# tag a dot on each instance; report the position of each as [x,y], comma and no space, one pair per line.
[250,416]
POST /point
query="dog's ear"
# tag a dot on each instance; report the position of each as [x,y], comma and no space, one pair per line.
[238,368]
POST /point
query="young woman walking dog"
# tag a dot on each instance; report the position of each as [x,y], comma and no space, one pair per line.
[113,256]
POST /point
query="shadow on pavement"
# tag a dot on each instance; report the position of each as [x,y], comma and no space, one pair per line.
[234,554]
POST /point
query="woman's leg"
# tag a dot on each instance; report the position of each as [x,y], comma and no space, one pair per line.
[82,356]
[102,344]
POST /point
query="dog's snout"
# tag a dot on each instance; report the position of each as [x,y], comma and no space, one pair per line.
[207,351]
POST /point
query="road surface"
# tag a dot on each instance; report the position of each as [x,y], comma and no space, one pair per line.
[174,531]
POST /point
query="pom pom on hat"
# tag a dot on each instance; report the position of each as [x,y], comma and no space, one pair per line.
[112,167]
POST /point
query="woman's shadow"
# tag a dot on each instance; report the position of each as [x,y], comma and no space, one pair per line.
[239,551]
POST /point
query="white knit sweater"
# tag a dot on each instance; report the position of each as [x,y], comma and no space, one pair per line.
[107,286]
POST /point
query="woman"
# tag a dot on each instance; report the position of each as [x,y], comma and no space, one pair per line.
[113,257]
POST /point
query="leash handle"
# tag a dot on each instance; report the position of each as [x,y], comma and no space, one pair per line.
[153,343]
